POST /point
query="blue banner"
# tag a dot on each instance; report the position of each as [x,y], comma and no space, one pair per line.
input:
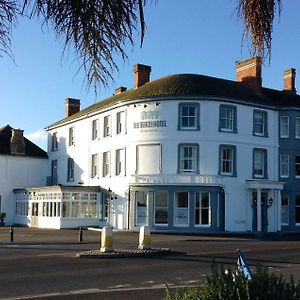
[242,265]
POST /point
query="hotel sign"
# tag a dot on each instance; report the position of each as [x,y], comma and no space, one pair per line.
[149,119]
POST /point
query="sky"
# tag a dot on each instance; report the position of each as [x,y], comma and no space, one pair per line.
[191,36]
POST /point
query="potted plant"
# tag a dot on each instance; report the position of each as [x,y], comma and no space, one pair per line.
[2,217]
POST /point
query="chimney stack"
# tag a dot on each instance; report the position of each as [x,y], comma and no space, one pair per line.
[72,107]
[141,75]
[17,142]
[289,77]
[248,72]
[120,90]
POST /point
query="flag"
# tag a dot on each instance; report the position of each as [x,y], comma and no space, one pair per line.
[242,265]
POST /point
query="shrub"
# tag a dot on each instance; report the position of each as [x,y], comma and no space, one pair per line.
[230,285]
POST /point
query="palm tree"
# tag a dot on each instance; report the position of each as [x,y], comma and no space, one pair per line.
[258,17]
[97,30]
[100,29]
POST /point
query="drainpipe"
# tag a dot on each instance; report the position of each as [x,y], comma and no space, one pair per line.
[128,209]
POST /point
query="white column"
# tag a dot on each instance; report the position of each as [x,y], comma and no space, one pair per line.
[279,210]
[275,198]
[258,208]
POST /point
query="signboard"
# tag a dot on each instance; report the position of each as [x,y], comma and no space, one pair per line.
[149,119]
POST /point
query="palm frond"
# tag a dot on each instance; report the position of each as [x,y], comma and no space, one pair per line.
[97,30]
[8,11]
[258,17]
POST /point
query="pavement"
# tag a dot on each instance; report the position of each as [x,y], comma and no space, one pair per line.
[128,239]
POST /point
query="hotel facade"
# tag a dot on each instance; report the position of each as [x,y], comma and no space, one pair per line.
[184,153]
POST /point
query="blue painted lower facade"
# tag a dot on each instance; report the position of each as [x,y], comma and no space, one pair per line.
[289,146]
[177,208]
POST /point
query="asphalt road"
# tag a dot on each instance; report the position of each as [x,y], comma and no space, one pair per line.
[43,263]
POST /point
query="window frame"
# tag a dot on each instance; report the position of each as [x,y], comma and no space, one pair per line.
[297,164]
[54,173]
[222,119]
[95,129]
[285,125]
[297,126]
[264,153]
[140,168]
[287,209]
[106,164]
[54,142]
[94,165]
[282,164]
[120,159]
[71,136]
[163,208]
[142,211]
[70,169]
[107,126]
[297,208]
[223,147]
[187,209]
[264,123]
[181,148]
[121,122]
[201,208]
[196,106]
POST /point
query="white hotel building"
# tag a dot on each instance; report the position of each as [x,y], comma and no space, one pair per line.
[185,152]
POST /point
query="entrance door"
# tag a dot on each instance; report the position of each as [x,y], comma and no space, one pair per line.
[264,212]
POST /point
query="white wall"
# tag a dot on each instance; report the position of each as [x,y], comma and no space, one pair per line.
[209,138]
[18,171]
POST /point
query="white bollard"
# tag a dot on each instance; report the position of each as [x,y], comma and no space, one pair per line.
[106,240]
[144,238]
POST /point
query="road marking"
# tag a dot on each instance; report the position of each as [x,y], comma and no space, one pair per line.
[119,286]
[95,291]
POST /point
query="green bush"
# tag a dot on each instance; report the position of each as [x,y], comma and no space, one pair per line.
[230,285]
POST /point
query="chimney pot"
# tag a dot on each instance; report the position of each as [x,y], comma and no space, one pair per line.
[120,90]
[289,78]
[72,106]
[248,72]
[141,74]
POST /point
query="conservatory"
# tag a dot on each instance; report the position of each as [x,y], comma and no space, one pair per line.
[60,206]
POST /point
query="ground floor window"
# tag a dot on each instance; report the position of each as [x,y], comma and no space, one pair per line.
[297,210]
[75,209]
[181,212]
[35,209]
[178,208]
[284,210]
[21,208]
[161,208]
[141,208]
[202,209]
[51,209]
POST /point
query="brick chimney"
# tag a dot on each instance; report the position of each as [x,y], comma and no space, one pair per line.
[72,107]
[17,142]
[120,90]
[141,75]
[289,78]
[248,72]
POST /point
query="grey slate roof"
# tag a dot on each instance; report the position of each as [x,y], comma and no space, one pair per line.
[31,149]
[184,85]
[282,98]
